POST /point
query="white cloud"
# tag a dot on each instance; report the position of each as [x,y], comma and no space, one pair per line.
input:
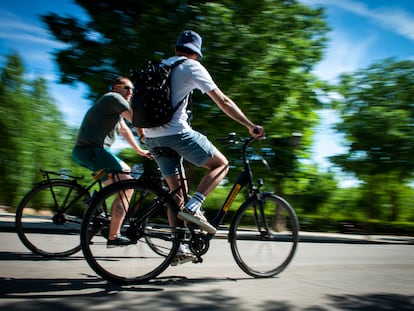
[400,21]
[396,20]
[26,33]
[346,53]
[13,22]
[26,38]
[30,40]
[15,30]
[343,54]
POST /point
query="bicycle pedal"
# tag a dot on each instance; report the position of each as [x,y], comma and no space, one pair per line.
[179,260]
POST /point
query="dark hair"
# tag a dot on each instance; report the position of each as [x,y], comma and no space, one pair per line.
[184,50]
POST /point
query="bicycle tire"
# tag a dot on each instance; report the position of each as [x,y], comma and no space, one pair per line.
[138,262]
[153,244]
[48,218]
[262,252]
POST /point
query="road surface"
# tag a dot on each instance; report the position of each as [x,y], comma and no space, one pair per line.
[333,275]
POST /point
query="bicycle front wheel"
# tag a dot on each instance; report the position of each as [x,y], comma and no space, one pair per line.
[149,224]
[48,218]
[264,236]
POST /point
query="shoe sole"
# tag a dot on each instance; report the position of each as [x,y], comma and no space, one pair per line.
[207,227]
[120,245]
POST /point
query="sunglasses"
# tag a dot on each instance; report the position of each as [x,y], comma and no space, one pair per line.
[128,88]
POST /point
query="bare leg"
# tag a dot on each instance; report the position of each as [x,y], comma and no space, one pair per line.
[218,168]
[119,206]
[173,183]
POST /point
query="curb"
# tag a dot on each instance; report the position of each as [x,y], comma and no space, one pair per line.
[7,225]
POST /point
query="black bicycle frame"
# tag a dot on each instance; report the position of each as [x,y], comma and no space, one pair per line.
[244,179]
[73,181]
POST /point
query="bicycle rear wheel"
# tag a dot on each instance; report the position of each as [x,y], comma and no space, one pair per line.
[264,236]
[48,218]
[146,224]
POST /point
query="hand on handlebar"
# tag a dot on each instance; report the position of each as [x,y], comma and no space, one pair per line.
[257,131]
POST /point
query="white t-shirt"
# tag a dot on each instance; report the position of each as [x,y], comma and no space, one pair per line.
[185,77]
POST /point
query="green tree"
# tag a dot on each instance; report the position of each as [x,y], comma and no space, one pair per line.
[261,53]
[317,192]
[11,112]
[377,119]
[33,132]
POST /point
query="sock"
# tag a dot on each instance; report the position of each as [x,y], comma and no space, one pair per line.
[182,249]
[195,202]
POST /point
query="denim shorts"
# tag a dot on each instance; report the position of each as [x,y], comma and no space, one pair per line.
[193,146]
[96,158]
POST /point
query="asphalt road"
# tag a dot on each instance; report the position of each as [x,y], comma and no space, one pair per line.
[326,274]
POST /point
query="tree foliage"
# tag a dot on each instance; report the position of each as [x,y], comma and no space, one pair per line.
[377,116]
[377,119]
[260,53]
[33,132]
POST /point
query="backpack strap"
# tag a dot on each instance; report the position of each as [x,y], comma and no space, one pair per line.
[178,61]
[189,95]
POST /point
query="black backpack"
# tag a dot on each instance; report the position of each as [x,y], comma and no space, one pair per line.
[151,102]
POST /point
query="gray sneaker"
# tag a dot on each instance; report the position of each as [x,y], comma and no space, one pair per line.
[197,218]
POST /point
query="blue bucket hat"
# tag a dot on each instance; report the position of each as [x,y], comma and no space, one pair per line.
[191,40]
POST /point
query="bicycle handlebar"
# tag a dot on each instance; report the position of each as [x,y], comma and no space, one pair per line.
[232,138]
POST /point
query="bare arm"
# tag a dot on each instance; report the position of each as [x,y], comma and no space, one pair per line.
[234,112]
[128,116]
[126,132]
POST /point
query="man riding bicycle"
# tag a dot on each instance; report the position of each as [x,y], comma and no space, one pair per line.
[98,131]
[188,143]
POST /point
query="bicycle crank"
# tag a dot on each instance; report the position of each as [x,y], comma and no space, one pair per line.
[199,244]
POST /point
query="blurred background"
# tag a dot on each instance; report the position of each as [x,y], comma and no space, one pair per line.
[341,73]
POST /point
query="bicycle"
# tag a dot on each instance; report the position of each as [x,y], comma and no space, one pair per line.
[48,218]
[263,234]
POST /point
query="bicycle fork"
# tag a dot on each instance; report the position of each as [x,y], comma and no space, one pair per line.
[260,217]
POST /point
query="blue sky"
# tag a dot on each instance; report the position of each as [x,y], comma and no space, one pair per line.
[363,31]
[21,30]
